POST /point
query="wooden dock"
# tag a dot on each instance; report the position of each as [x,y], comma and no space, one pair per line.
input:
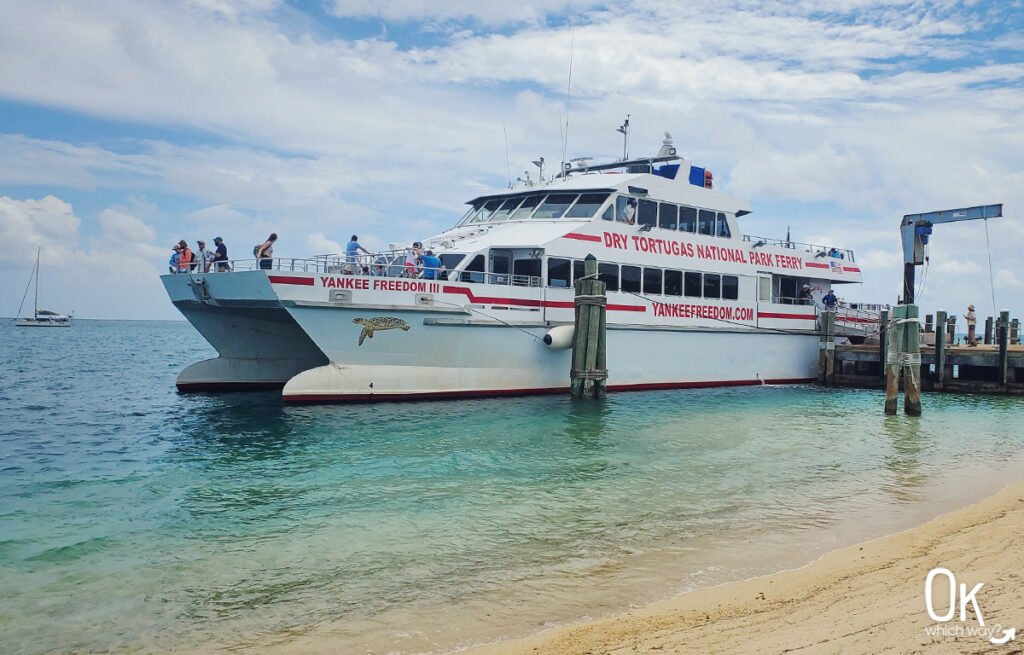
[977,369]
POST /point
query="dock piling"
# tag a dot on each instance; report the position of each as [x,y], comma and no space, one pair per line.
[883,332]
[912,364]
[1015,331]
[1003,332]
[928,322]
[827,348]
[951,330]
[588,377]
[893,358]
[940,352]
[988,331]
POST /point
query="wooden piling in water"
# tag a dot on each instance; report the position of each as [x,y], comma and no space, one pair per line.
[588,377]
[940,351]
[912,364]
[988,331]
[893,358]
[1003,332]
[883,333]
[827,348]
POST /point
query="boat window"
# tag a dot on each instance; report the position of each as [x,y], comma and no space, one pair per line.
[451,261]
[668,216]
[692,285]
[621,207]
[712,285]
[559,272]
[652,280]
[730,287]
[526,208]
[706,222]
[505,211]
[764,289]
[723,226]
[486,211]
[609,274]
[555,205]
[631,278]
[587,205]
[472,210]
[673,283]
[609,214]
[578,268]
[648,213]
[687,219]
[523,270]
[474,271]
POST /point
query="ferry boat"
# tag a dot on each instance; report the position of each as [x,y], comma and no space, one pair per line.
[692,301]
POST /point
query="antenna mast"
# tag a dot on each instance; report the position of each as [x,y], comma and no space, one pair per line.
[39,250]
[568,89]
[624,129]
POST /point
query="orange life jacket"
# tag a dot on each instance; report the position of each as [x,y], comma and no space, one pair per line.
[185,259]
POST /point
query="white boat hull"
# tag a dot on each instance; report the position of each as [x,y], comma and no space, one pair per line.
[31,322]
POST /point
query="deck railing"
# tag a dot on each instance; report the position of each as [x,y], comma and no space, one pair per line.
[818,250]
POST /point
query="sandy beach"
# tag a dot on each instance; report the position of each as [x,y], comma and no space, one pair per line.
[862,599]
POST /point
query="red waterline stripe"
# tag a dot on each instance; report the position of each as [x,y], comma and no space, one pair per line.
[582,237]
[852,269]
[815,265]
[482,393]
[803,317]
[287,279]
[533,303]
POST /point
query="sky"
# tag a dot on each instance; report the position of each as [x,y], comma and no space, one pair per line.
[126,125]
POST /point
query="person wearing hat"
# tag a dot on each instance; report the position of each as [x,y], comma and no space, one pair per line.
[431,265]
[175,258]
[203,257]
[185,260]
[805,295]
[220,255]
[972,320]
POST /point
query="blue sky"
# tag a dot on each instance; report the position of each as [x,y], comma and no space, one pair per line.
[127,125]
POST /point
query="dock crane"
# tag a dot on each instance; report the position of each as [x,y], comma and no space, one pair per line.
[915,230]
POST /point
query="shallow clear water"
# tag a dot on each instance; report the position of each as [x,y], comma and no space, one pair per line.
[133,518]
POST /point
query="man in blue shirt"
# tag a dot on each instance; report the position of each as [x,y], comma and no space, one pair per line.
[431,265]
[830,300]
[350,250]
[220,256]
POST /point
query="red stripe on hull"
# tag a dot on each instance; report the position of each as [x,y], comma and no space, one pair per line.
[288,279]
[582,237]
[491,393]
[526,302]
[815,265]
[802,317]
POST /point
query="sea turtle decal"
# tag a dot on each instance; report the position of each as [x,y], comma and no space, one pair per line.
[378,323]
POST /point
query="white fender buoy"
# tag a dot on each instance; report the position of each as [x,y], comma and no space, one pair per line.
[560,338]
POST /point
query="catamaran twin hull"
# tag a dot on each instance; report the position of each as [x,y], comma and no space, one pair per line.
[340,338]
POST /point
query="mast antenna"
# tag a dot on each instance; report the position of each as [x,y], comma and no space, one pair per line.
[568,95]
[624,129]
[508,165]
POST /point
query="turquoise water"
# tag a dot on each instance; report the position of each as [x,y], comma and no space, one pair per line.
[135,519]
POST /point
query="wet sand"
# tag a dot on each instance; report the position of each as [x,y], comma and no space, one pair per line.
[862,599]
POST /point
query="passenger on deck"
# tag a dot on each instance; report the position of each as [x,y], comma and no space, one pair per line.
[630,216]
[175,257]
[185,260]
[805,295]
[378,271]
[220,257]
[265,253]
[972,320]
[351,256]
[203,257]
[412,255]
[431,265]
[830,300]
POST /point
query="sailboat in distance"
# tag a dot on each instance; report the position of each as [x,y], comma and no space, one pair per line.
[41,317]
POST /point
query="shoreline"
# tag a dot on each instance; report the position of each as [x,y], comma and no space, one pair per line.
[865,598]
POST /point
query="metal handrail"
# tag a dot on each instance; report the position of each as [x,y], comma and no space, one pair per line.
[818,250]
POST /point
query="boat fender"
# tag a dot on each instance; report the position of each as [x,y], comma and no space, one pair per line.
[560,338]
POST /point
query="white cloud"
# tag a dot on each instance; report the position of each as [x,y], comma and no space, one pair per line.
[26,225]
